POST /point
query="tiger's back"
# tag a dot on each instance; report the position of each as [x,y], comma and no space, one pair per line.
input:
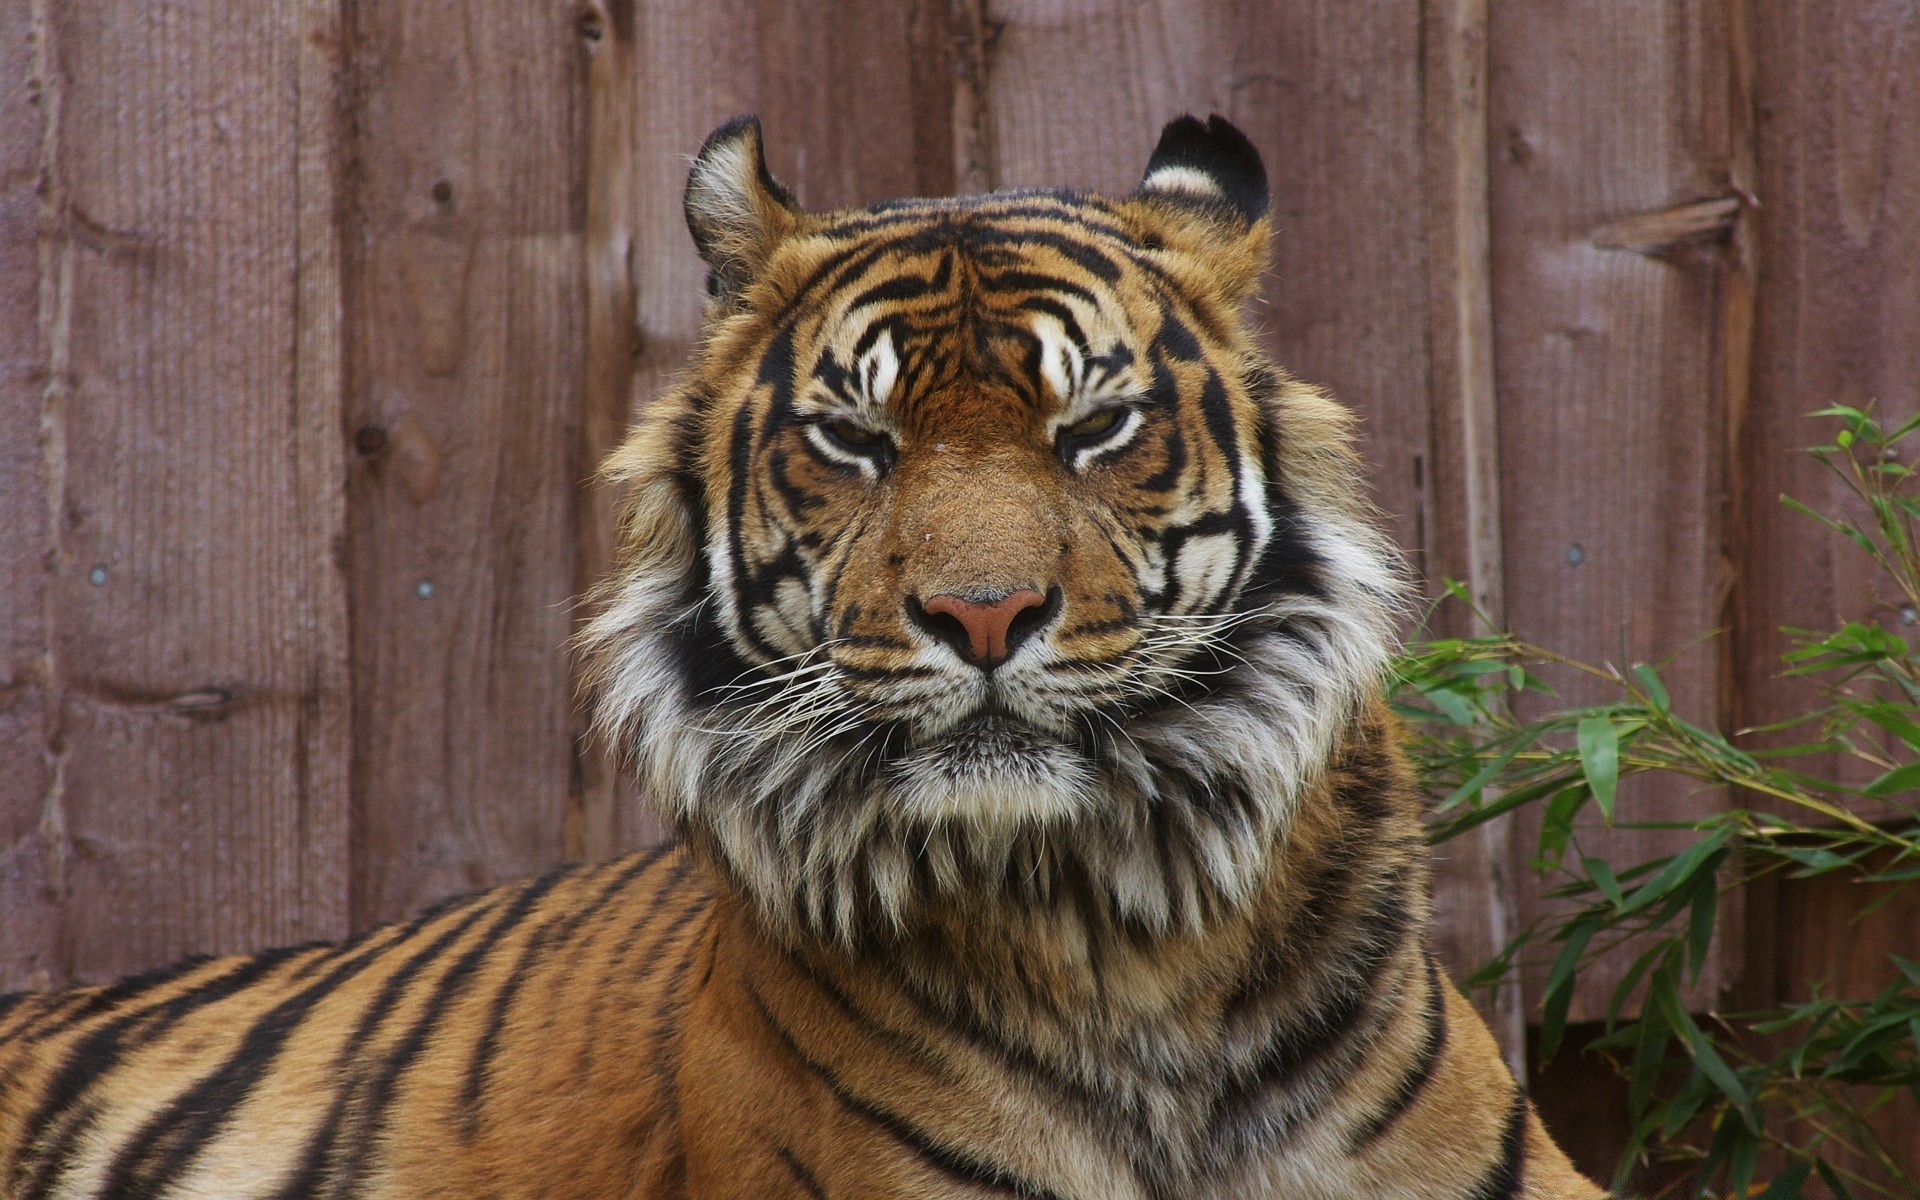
[423,1050]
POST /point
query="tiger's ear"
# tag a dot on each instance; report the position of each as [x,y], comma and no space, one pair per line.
[1205,192]
[737,211]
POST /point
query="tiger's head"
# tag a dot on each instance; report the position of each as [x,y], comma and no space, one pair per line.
[981,558]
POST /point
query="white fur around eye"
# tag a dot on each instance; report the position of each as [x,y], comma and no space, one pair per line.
[1062,367]
[879,370]
[834,452]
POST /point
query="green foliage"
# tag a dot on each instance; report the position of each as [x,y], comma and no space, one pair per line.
[1724,1092]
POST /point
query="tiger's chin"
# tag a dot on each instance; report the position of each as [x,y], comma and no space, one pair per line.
[994,772]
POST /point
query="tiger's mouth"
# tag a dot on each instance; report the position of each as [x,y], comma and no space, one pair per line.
[996,733]
[993,767]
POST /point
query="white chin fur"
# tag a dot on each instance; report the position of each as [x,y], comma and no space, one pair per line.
[997,777]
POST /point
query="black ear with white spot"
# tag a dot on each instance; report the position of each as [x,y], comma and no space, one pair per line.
[737,211]
[1211,165]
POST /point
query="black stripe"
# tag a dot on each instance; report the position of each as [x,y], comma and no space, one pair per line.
[900,287]
[308,1178]
[1502,1180]
[1039,281]
[168,1142]
[1078,251]
[935,1153]
[801,1175]
[1061,313]
[113,995]
[1418,1072]
[98,1053]
[548,935]
[1353,923]
[376,1099]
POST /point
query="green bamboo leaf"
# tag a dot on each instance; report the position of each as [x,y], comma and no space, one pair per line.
[1745,1157]
[1679,868]
[1559,992]
[1600,760]
[1649,1058]
[1451,704]
[1601,872]
[1556,824]
[1704,907]
[1786,1185]
[1666,993]
[1900,779]
[1650,683]
[1845,530]
[1832,1179]
[1623,991]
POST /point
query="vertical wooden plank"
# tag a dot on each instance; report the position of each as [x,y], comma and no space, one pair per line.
[188,683]
[820,63]
[604,817]
[1610,199]
[466,349]
[1838,230]
[1475,877]
[30,953]
[1353,110]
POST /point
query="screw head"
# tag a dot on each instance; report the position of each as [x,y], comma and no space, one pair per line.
[1576,554]
[97,577]
[423,589]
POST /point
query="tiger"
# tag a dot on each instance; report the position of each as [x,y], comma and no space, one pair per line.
[1002,635]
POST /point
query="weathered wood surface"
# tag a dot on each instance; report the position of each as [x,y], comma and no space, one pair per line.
[466,381]
[1838,313]
[176,693]
[1476,876]
[1611,398]
[32,948]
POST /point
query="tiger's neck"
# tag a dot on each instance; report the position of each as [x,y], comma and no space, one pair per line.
[1095,1005]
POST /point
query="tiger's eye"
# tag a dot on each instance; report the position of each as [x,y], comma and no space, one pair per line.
[1098,423]
[853,436]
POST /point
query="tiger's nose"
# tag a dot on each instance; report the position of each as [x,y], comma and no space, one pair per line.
[985,632]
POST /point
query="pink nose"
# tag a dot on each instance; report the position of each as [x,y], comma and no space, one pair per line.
[979,631]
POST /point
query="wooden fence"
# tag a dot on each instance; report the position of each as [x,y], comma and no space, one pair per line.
[313,326]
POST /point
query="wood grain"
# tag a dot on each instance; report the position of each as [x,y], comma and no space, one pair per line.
[32,952]
[1611,405]
[604,815]
[1838,230]
[186,694]
[466,353]
[1475,878]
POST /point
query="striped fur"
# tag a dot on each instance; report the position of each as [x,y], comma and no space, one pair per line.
[1131,906]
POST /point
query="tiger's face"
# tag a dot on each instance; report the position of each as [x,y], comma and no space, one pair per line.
[981,558]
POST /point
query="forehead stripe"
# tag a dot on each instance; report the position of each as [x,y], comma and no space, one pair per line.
[1061,313]
[1037,281]
[1082,254]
